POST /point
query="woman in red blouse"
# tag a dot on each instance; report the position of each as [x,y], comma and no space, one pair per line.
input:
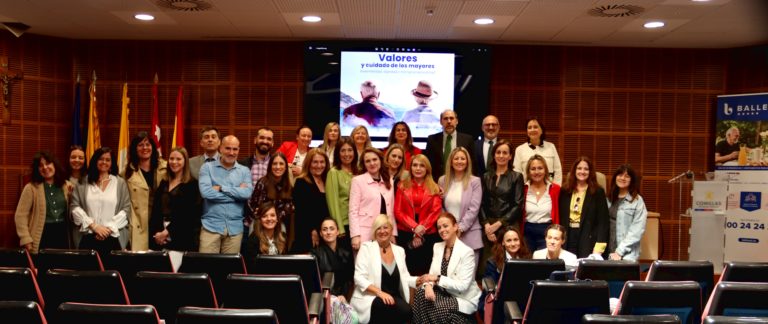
[417,205]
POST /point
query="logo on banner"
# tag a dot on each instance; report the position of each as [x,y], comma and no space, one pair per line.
[727,110]
[708,202]
[750,201]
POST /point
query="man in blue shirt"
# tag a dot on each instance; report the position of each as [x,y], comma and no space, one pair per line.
[225,187]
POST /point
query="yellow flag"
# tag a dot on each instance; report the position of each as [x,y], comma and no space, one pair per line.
[124,141]
[94,138]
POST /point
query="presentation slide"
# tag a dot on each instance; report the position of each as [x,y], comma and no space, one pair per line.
[379,89]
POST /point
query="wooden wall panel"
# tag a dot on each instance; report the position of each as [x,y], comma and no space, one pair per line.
[652,108]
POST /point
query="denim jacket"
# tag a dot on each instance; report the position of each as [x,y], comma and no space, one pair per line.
[630,225]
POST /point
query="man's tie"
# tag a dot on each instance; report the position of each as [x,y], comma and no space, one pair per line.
[489,155]
[447,150]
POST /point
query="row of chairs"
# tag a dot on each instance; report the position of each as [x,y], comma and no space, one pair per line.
[166,291]
[568,302]
[84,313]
[515,283]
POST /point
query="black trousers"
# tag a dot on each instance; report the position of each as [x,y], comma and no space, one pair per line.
[400,312]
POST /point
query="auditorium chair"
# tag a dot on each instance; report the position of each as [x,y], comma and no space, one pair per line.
[515,285]
[187,289]
[68,259]
[745,271]
[199,315]
[681,298]
[282,293]
[19,258]
[608,319]
[702,272]
[17,311]
[217,266]
[87,313]
[738,299]
[20,284]
[128,263]
[561,302]
[82,286]
[303,265]
[616,273]
[735,320]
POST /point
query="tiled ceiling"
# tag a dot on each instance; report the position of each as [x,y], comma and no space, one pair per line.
[697,24]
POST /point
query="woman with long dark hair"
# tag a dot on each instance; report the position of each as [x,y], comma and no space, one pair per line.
[401,134]
[339,183]
[176,210]
[584,210]
[371,194]
[143,174]
[275,187]
[266,238]
[42,209]
[76,172]
[101,206]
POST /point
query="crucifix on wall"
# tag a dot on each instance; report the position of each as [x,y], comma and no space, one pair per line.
[6,77]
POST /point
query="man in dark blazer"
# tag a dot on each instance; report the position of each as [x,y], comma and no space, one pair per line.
[483,146]
[436,143]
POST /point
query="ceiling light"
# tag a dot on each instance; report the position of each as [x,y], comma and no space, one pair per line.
[484,21]
[144,17]
[654,24]
[311,19]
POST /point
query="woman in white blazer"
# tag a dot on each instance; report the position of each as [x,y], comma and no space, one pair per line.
[448,293]
[381,278]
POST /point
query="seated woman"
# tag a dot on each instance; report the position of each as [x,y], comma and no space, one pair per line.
[381,278]
[448,293]
[334,257]
[511,246]
[555,238]
[266,238]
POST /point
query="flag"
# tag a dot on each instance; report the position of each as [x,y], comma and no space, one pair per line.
[77,132]
[155,119]
[94,138]
[124,142]
[178,124]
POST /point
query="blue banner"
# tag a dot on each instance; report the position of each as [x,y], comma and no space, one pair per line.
[741,132]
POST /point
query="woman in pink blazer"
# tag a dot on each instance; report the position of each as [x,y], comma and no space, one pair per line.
[370,195]
[462,195]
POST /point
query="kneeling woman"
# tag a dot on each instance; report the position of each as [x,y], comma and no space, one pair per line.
[555,238]
[381,278]
[449,293]
[266,238]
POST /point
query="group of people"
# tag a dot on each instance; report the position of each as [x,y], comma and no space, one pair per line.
[383,220]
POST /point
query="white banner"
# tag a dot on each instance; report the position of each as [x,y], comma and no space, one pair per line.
[746,237]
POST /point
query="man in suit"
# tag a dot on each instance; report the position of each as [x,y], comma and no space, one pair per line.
[482,155]
[440,145]
[209,141]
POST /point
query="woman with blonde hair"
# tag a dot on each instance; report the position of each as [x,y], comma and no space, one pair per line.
[361,138]
[176,211]
[381,278]
[418,203]
[331,136]
[541,199]
[393,159]
[462,195]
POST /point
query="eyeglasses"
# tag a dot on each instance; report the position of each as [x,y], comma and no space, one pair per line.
[576,205]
